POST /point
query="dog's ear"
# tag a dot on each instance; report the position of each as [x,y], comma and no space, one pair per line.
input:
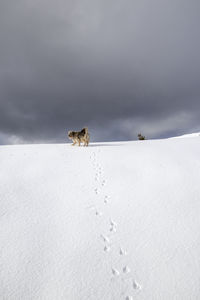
[86,129]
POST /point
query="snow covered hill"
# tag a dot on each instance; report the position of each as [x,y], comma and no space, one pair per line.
[196,134]
[108,222]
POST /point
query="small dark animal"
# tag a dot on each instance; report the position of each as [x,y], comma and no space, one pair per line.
[141,137]
[79,137]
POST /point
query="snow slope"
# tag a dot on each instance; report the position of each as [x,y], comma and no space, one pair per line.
[111,221]
[189,135]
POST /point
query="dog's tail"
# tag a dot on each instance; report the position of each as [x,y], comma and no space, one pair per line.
[85,131]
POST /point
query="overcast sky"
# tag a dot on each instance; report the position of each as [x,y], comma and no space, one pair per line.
[119,67]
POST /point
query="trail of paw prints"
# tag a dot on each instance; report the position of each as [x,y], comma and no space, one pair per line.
[99,179]
[125,285]
[130,285]
[135,286]
[124,274]
[99,183]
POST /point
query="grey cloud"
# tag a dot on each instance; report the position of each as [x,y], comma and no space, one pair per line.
[119,67]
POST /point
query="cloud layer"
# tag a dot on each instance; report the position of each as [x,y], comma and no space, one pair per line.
[119,67]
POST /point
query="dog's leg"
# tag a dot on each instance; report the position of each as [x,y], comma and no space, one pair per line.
[74,143]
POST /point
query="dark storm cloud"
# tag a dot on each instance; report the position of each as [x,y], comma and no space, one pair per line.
[117,66]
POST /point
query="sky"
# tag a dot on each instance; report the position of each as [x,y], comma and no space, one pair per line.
[119,67]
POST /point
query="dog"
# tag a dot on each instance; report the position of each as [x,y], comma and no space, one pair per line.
[141,137]
[79,137]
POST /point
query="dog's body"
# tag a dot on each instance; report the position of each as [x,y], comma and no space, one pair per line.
[79,137]
[141,137]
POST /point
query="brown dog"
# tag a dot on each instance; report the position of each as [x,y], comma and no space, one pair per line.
[79,137]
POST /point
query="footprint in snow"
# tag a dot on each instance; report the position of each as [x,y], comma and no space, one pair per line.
[122,251]
[115,272]
[129,298]
[106,249]
[98,213]
[105,238]
[136,285]
[106,199]
[113,229]
[126,270]
[112,223]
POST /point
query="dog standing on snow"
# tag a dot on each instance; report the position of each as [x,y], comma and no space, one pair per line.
[79,137]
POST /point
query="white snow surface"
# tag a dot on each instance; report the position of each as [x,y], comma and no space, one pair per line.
[189,135]
[109,221]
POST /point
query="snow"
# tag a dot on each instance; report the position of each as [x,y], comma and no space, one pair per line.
[111,221]
[188,135]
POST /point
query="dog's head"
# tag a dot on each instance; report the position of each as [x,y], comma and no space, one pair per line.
[70,134]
